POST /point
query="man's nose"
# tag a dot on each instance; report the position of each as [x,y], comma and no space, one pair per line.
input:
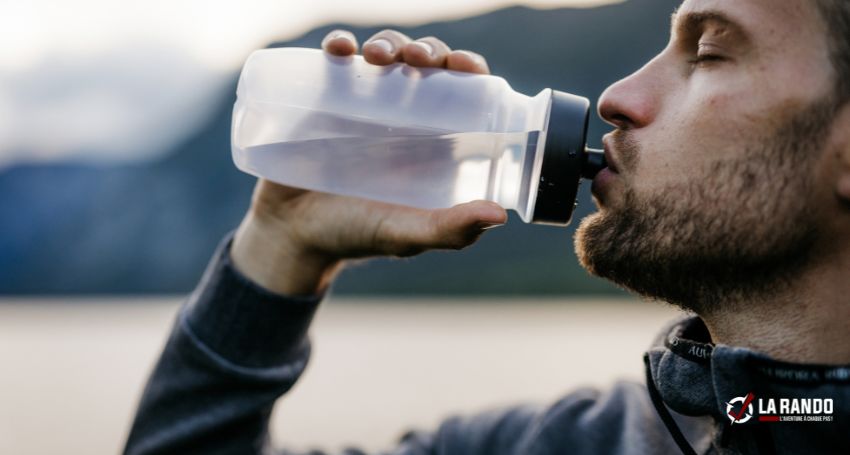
[631,102]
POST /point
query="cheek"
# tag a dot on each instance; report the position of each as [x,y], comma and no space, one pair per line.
[720,118]
[692,136]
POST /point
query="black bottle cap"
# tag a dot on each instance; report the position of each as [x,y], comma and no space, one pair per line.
[563,157]
[594,161]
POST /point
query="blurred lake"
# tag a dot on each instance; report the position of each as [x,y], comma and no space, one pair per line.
[72,374]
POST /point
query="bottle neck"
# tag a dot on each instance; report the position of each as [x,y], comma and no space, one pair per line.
[522,113]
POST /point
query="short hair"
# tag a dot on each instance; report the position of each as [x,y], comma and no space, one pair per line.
[836,16]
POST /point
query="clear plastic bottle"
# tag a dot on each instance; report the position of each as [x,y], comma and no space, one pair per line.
[423,137]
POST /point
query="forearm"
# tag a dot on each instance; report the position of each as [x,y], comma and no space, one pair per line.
[235,348]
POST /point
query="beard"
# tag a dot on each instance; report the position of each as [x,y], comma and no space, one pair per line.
[742,230]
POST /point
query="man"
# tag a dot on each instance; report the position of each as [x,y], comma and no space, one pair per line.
[727,194]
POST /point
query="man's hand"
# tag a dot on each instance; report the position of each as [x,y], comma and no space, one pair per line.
[293,241]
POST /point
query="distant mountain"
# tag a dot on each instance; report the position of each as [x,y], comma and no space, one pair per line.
[150,228]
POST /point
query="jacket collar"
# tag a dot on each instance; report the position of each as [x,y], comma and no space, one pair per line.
[696,378]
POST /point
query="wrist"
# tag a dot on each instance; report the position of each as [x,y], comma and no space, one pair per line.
[267,253]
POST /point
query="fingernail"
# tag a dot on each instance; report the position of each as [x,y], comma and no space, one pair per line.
[486,226]
[425,47]
[383,44]
[341,34]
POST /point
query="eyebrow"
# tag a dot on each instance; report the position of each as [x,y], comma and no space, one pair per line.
[682,23]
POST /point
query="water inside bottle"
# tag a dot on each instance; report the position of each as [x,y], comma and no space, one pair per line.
[423,170]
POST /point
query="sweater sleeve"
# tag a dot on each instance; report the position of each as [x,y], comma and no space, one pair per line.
[234,349]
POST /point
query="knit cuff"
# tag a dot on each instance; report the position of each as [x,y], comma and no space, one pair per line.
[243,322]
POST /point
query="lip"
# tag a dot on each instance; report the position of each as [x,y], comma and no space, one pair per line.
[603,180]
[609,154]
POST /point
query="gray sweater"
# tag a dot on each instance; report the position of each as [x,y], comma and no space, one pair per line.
[236,348]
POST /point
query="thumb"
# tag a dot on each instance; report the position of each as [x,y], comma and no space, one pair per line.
[475,215]
[451,228]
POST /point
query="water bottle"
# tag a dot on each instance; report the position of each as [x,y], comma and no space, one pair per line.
[422,137]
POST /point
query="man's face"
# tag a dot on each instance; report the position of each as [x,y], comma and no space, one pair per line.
[718,152]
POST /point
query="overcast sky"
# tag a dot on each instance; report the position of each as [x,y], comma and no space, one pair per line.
[106,80]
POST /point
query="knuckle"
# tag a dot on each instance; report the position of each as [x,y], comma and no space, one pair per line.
[389,243]
[439,45]
[396,37]
[433,40]
[386,33]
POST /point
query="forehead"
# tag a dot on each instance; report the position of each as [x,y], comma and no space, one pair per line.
[765,21]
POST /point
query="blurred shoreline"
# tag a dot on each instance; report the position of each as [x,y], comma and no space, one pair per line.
[379,366]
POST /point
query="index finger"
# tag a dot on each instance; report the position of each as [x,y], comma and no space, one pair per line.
[340,42]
